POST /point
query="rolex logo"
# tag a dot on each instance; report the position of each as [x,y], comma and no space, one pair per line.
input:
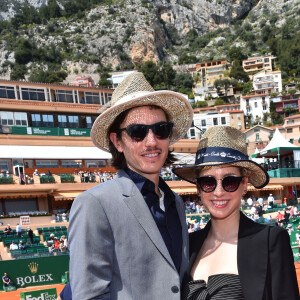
[33,267]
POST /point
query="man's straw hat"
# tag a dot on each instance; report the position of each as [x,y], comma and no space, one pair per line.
[223,145]
[135,91]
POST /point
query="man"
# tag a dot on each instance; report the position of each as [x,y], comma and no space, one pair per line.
[30,236]
[271,200]
[249,202]
[18,230]
[8,230]
[6,280]
[260,200]
[13,246]
[128,236]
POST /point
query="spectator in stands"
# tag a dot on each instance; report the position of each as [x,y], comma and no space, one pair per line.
[191,228]
[51,248]
[30,236]
[18,230]
[135,217]
[260,200]
[6,280]
[250,202]
[8,230]
[48,173]
[62,247]
[64,240]
[56,244]
[271,200]
[196,225]
[66,293]
[253,210]
[291,212]
[36,172]
[13,246]
[233,256]
[21,245]
[286,216]
[295,211]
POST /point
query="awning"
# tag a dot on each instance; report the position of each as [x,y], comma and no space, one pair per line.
[22,194]
[269,187]
[65,196]
[185,191]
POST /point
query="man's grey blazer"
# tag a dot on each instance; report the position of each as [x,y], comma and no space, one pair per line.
[116,249]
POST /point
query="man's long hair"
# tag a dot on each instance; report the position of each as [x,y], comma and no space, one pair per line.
[118,159]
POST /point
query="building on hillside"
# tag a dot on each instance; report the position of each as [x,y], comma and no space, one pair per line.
[254,107]
[254,64]
[267,82]
[117,78]
[208,72]
[287,104]
[292,129]
[258,137]
[84,81]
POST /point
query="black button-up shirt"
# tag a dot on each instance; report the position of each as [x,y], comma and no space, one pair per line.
[167,221]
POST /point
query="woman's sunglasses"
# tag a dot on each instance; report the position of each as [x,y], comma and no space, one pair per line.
[138,132]
[229,183]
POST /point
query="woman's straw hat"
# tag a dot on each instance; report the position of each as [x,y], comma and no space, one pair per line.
[135,91]
[223,145]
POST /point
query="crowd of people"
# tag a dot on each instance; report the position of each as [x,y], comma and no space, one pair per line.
[56,245]
[88,176]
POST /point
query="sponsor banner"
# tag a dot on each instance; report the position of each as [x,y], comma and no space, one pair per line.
[35,271]
[48,294]
[50,131]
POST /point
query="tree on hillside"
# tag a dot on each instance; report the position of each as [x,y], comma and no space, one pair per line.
[183,83]
[236,53]
[168,74]
[237,72]
[103,79]
[224,83]
[150,70]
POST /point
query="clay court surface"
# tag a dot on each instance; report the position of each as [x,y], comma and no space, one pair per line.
[15,295]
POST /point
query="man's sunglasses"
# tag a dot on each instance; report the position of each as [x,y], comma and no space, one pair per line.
[138,132]
[229,183]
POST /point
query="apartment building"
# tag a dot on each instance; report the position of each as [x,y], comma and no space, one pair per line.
[255,106]
[208,72]
[267,82]
[291,127]
[254,64]
[287,101]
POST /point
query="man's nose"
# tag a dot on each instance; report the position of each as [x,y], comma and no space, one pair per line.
[150,138]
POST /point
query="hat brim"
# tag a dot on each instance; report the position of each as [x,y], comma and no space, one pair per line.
[175,105]
[258,177]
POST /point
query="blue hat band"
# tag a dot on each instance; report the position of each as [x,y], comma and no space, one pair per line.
[219,154]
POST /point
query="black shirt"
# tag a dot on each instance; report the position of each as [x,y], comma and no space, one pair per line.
[167,221]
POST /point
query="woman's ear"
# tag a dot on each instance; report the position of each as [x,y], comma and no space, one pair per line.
[116,141]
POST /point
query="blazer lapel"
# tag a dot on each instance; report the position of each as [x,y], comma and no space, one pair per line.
[252,257]
[136,203]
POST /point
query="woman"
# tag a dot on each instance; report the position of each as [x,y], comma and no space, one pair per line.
[234,257]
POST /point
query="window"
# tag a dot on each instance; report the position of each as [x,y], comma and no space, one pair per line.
[89,122]
[7,92]
[71,163]
[5,165]
[248,110]
[95,163]
[239,125]
[239,116]
[33,94]
[203,122]
[215,120]
[36,120]
[192,133]
[47,163]
[267,59]
[6,118]
[223,120]
[92,98]
[257,137]
[259,86]
[48,121]
[264,107]
[28,163]
[73,121]
[255,104]
[256,130]
[65,96]
[289,130]
[20,119]
[62,121]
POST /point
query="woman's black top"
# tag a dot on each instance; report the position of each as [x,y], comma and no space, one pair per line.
[218,287]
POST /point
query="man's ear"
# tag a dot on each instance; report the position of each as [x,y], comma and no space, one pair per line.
[117,142]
